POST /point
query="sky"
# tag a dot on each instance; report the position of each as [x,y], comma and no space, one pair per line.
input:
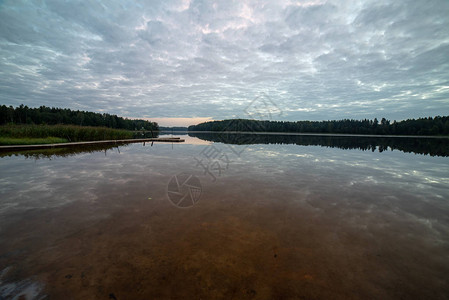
[184,62]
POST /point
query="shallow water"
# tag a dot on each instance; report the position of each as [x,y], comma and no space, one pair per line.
[245,218]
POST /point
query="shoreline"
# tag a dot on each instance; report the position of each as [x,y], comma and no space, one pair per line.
[322,134]
[62,145]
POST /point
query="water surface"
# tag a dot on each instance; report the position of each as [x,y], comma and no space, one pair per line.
[273,218]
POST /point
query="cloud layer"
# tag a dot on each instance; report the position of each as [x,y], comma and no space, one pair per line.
[313,59]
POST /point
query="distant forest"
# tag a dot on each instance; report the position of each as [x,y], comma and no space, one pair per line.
[422,126]
[52,116]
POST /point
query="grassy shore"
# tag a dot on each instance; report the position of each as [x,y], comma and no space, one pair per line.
[31,141]
[48,134]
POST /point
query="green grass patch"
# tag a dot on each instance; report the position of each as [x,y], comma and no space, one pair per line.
[31,141]
[23,134]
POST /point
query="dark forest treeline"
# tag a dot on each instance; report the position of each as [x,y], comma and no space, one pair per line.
[52,116]
[426,146]
[422,126]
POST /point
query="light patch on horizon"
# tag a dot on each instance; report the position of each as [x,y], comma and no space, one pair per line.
[177,122]
[316,59]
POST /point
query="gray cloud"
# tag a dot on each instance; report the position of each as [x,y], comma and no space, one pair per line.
[314,59]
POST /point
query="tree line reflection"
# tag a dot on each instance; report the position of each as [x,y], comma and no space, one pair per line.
[64,152]
[425,146]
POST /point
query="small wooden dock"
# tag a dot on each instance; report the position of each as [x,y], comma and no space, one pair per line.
[106,142]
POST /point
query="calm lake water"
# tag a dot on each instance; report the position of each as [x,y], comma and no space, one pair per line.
[228,217]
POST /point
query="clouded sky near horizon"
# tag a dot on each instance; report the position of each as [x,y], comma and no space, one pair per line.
[308,60]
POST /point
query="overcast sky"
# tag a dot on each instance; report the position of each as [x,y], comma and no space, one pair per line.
[313,60]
